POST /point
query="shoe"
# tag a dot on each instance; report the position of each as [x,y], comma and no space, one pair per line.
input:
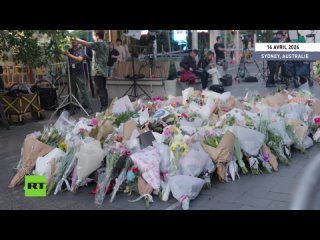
[270,85]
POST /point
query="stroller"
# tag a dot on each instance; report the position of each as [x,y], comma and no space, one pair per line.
[297,72]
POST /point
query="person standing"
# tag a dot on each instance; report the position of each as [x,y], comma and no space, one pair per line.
[76,56]
[219,49]
[273,65]
[87,67]
[113,55]
[99,65]
[122,51]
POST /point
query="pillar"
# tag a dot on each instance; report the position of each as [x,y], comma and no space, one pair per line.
[194,39]
[237,44]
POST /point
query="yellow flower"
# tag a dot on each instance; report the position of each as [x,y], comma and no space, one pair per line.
[180,146]
[63,146]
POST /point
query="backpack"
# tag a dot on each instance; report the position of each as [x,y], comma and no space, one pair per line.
[188,76]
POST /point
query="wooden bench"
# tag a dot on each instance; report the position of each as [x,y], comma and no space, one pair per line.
[153,81]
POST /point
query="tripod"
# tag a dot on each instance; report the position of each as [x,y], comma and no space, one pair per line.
[133,88]
[243,71]
[70,99]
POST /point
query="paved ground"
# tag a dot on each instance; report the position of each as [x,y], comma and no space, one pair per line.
[267,191]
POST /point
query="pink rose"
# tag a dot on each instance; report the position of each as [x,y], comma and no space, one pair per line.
[94,122]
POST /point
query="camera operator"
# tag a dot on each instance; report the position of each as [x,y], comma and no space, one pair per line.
[76,56]
[273,65]
[220,49]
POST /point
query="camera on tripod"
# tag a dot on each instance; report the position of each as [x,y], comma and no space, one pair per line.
[245,41]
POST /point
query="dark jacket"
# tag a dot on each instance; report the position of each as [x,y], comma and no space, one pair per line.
[87,53]
[188,62]
[203,63]
[111,61]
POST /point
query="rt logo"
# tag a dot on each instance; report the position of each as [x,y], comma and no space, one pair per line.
[35,186]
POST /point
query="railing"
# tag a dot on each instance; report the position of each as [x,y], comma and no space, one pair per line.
[24,74]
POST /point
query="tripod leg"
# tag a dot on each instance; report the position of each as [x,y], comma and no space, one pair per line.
[130,88]
[78,105]
[61,106]
[145,93]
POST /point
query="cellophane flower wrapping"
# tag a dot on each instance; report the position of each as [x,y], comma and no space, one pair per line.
[90,158]
[65,123]
[122,105]
[250,140]
[185,188]
[148,162]
[44,164]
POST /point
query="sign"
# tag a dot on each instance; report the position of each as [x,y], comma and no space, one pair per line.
[134,34]
[161,114]
[287,51]
[35,186]
[180,35]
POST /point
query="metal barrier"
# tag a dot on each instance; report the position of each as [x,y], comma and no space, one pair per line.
[305,189]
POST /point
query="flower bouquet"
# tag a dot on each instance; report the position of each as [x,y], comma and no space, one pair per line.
[222,154]
[276,145]
[148,162]
[185,188]
[239,156]
[145,190]
[178,149]
[32,149]
[269,157]
[50,136]
[111,161]
[62,165]
[90,158]
[46,166]
[213,137]
[169,132]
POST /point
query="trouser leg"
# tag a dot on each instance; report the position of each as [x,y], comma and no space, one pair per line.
[83,90]
[100,83]
[272,68]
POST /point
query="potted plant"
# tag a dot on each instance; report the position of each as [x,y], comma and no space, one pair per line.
[170,84]
[317,71]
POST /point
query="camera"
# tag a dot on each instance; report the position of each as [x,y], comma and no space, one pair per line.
[245,41]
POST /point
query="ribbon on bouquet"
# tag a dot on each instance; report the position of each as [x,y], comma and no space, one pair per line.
[182,198]
[142,196]
[59,186]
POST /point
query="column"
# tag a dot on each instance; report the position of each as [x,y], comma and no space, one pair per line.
[211,39]
[237,44]
[155,48]
[194,39]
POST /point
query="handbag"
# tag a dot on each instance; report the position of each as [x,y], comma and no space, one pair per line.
[48,95]
[188,76]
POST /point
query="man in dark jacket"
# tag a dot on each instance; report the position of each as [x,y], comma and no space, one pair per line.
[1,81]
[273,64]
[188,63]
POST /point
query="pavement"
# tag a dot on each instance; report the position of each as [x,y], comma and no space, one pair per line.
[263,192]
